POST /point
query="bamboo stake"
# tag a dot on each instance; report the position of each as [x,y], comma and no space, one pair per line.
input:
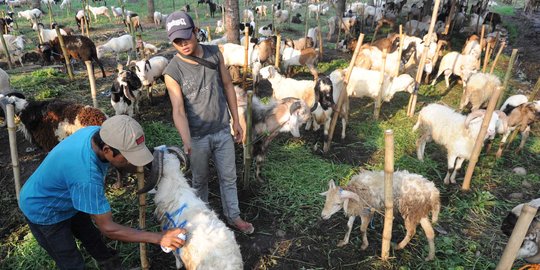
[414,95]
[486,57]
[400,51]
[248,158]
[319,36]
[343,97]
[4,45]
[450,16]
[196,16]
[497,57]
[92,80]
[388,194]
[378,102]
[87,17]
[50,13]
[142,217]
[209,33]
[340,23]
[246,59]
[64,52]
[516,239]
[508,74]
[480,139]
[12,133]
[482,41]
[143,53]
[278,48]
[306,27]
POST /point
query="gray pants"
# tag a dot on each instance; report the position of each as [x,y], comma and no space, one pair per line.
[220,147]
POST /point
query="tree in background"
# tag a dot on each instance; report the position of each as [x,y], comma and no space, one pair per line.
[36,4]
[151,9]
[232,20]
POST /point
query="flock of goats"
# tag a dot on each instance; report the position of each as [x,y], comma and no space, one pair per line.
[298,102]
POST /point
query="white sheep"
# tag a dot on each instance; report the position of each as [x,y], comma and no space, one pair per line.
[219,27]
[414,196]
[480,87]
[313,33]
[150,49]
[248,16]
[458,64]
[99,11]
[452,130]
[366,83]
[116,45]
[149,70]
[414,27]
[210,244]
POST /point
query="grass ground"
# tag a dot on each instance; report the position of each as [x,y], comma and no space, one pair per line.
[296,172]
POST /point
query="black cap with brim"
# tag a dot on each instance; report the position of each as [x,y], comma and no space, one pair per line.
[181,34]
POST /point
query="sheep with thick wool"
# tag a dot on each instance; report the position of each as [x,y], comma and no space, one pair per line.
[210,244]
[479,89]
[454,131]
[414,196]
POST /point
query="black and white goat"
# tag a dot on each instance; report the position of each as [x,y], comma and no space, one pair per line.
[210,244]
[46,123]
[285,115]
[126,92]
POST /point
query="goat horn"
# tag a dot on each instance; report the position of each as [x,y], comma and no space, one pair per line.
[473,115]
[184,160]
[155,174]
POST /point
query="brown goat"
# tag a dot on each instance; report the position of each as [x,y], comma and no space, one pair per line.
[78,47]
[521,118]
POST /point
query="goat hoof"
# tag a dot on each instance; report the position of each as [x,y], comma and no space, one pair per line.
[430,257]
[363,246]
[342,243]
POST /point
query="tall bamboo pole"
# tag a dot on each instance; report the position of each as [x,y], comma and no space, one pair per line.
[142,217]
[143,53]
[516,239]
[92,80]
[306,27]
[246,59]
[12,130]
[343,97]
[4,45]
[480,139]
[248,158]
[64,52]
[486,57]
[378,102]
[278,48]
[50,13]
[400,50]
[508,74]
[209,33]
[503,44]
[414,95]
[388,194]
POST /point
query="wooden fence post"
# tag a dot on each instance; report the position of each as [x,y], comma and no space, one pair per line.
[507,75]
[92,79]
[143,53]
[248,158]
[378,101]
[516,239]
[278,48]
[246,59]
[306,26]
[388,194]
[209,33]
[142,217]
[12,133]
[64,52]
[400,50]
[343,97]
[503,44]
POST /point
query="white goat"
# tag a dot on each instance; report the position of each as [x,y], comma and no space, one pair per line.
[15,45]
[5,86]
[116,45]
[414,196]
[47,34]
[210,244]
[480,87]
[287,87]
[32,15]
[116,12]
[458,64]
[99,11]
[281,16]
[149,70]
[65,3]
[452,130]
[364,83]
[308,57]
[159,18]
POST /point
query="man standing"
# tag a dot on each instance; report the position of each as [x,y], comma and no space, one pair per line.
[66,192]
[201,91]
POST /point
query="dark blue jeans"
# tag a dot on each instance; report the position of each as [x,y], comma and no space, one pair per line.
[58,240]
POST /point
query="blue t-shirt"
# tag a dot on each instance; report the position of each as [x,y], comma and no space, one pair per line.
[69,180]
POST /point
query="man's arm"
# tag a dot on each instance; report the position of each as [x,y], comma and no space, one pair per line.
[179,112]
[230,94]
[116,231]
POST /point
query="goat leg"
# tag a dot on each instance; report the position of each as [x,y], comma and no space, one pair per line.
[430,235]
[411,231]
[349,229]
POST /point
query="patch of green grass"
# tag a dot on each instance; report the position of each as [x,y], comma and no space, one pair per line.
[159,133]
[504,10]
[41,84]
[327,67]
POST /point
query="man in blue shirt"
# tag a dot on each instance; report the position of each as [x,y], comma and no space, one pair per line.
[67,192]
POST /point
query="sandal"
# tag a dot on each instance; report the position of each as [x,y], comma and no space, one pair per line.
[242,226]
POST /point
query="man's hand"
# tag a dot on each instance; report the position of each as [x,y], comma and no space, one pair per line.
[170,238]
[238,132]
[187,148]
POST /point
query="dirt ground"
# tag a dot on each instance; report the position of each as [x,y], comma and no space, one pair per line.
[267,243]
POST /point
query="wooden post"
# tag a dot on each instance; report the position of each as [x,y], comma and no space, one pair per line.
[340,22]
[400,50]
[196,16]
[64,52]
[516,239]
[481,44]
[3,40]
[343,97]
[246,59]
[248,158]
[486,57]
[87,17]
[305,26]
[427,43]
[143,53]
[449,18]
[209,33]
[278,48]
[378,101]
[12,133]
[508,74]
[142,217]
[50,13]
[497,57]
[480,139]
[388,194]
[133,41]
[374,34]
[92,80]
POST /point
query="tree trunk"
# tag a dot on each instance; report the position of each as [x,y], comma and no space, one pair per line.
[151,9]
[232,20]
[36,4]
[340,7]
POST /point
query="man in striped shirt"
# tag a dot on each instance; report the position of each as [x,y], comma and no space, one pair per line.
[66,193]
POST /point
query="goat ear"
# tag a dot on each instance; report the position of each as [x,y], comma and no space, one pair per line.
[331,184]
[119,67]
[345,194]
[473,115]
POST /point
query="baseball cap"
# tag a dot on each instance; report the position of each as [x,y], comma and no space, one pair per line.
[179,25]
[125,134]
